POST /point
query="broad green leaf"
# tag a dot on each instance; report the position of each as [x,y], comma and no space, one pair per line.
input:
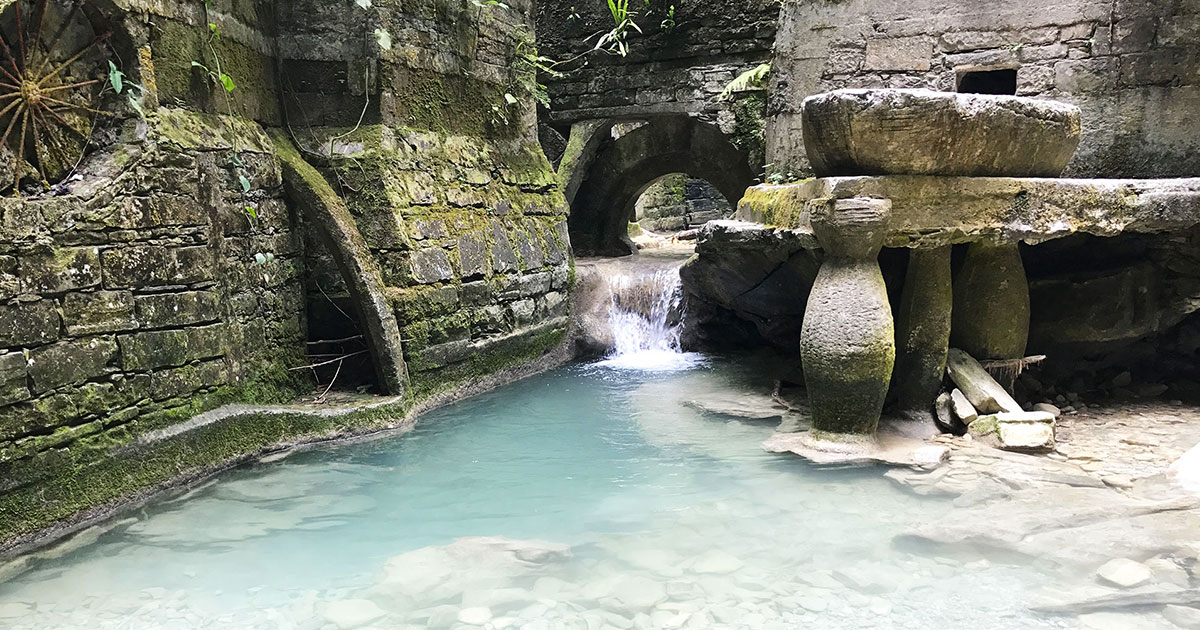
[116,77]
[227,81]
[245,183]
[260,258]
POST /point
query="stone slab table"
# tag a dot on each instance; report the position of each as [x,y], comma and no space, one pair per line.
[930,213]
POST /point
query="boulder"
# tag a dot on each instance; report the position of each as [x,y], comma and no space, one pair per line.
[1028,431]
[923,132]
[943,409]
[1183,616]
[977,385]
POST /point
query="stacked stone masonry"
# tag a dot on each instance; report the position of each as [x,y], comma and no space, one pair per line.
[1132,66]
[173,274]
[138,292]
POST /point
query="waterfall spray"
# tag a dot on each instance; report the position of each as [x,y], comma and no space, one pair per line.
[645,317]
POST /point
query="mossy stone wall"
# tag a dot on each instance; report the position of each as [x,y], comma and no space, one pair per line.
[173,276]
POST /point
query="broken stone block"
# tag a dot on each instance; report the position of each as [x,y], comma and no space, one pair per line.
[979,388]
[962,408]
[1028,431]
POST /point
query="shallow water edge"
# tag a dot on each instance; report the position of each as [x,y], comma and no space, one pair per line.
[360,420]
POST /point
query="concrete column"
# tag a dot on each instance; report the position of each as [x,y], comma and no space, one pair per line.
[848,341]
[991,303]
[923,332]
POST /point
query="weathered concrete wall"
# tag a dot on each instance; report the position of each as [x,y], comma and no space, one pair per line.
[1132,66]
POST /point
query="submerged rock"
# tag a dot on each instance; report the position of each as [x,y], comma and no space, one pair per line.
[352,613]
[432,575]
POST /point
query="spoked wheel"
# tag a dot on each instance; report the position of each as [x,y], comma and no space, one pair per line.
[52,64]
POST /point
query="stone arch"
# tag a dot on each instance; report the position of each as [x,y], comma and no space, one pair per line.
[625,166]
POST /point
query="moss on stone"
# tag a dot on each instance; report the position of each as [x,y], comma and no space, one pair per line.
[449,104]
[518,351]
[193,130]
[749,126]
[991,303]
[81,482]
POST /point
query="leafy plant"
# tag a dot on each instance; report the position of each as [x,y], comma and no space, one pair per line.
[753,78]
[134,93]
[616,40]
[527,67]
[669,23]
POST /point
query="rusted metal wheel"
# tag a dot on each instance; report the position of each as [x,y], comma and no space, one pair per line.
[52,70]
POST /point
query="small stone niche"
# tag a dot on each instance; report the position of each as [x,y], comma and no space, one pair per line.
[991,81]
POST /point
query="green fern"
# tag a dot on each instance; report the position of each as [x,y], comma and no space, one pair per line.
[754,78]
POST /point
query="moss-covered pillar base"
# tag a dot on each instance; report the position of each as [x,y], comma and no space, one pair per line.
[991,303]
[923,332]
[848,341]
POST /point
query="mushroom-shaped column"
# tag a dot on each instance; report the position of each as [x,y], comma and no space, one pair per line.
[848,342]
[991,303]
[923,332]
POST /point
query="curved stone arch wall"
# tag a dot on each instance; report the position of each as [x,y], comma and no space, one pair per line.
[623,168]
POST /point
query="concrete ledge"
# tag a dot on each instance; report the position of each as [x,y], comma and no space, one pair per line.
[929,211]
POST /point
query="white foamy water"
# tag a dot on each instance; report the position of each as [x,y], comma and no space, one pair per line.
[645,318]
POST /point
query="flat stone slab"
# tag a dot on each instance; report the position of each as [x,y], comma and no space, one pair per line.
[888,449]
[930,211]
[923,132]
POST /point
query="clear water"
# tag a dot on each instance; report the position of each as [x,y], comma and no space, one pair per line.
[673,518]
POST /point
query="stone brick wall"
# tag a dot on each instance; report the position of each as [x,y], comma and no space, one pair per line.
[1132,66]
[678,202]
[680,64]
[139,298]
[472,244]
[453,194]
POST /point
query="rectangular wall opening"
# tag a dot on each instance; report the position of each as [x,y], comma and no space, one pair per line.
[1002,81]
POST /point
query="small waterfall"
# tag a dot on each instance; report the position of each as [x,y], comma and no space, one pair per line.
[644,317]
